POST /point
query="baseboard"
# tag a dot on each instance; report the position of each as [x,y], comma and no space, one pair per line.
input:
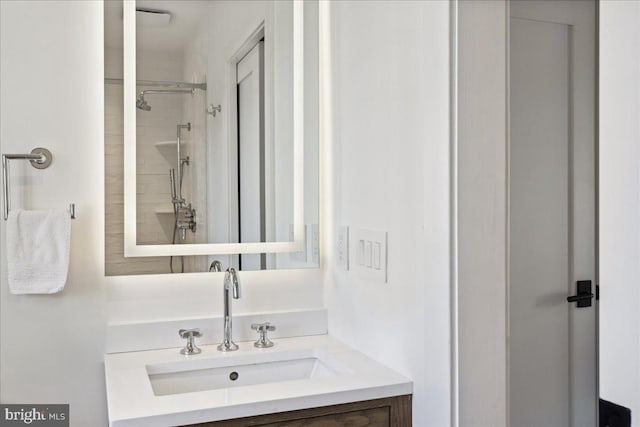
[612,415]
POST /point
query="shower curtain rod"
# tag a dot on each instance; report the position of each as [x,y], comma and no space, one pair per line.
[201,86]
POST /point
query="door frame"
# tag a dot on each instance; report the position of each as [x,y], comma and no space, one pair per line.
[263,31]
[464,374]
[232,125]
[236,156]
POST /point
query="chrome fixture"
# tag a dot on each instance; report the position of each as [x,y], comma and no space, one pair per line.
[215,266]
[184,214]
[212,110]
[262,329]
[231,284]
[152,83]
[189,335]
[142,104]
[181,161]
[186,220]
[40,158]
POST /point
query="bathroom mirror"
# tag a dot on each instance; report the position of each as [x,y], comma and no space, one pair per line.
[214,155]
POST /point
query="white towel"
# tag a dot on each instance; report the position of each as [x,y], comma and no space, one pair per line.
[38,251]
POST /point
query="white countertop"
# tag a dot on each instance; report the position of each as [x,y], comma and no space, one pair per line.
[132,402]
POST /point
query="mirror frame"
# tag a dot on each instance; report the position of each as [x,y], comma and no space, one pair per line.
[131,247]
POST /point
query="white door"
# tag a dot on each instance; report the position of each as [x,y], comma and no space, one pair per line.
[251,185]
[552,343]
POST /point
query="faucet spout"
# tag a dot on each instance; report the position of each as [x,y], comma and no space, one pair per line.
[215,266]
[231,289]
[235,283]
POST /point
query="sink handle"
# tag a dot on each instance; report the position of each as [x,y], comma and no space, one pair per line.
[266,326]
[189,335]
[262,328]
[186,333]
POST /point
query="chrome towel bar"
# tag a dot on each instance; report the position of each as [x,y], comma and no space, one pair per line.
[40,158]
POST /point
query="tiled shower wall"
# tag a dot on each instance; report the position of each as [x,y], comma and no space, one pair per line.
[156,154]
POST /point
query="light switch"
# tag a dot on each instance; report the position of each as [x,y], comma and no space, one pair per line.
[342,248]
[371,254]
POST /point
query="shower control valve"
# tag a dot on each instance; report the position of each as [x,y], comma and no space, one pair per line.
[187,218]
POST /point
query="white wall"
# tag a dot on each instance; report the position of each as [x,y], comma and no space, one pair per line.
[388,168]
[51,346]
[620,204]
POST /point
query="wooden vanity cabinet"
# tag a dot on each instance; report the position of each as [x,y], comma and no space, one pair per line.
[387,412]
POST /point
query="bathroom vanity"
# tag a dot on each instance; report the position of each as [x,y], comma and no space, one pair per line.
[388,412]
[312,380]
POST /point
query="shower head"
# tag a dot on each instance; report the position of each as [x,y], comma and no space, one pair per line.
[141,103]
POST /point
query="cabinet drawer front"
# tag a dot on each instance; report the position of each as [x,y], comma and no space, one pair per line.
[376,417]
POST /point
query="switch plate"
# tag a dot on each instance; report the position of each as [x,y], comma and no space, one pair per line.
[371,254]
[376,255]
[342,248]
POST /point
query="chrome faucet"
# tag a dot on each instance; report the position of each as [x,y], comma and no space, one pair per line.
[230,281]
[215,266]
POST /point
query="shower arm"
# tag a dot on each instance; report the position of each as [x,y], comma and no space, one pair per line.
[143,105]
[166,91]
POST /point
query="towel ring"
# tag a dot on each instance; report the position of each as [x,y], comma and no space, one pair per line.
[40,158]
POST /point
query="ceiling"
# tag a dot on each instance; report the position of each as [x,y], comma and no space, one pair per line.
[186,17]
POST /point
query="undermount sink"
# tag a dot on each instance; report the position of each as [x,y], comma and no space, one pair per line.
[175,379]
[161,388]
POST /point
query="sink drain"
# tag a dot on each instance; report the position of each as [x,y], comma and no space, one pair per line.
[233,376]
